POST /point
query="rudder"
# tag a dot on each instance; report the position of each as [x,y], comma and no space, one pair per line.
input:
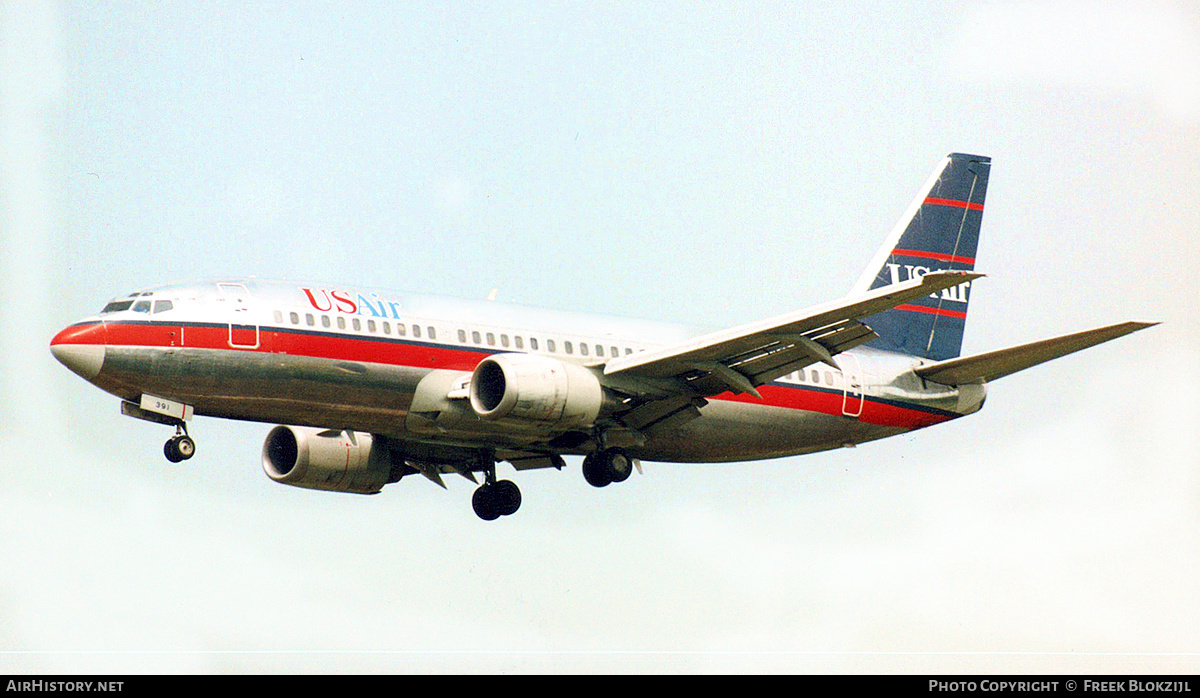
[939,231]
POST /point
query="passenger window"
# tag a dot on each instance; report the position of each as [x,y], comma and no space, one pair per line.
[324,321]
[550,345]
[430,333]
[308,317]
[370,325]
[341,322]
[567,347]
[533,343]
[614,353]
[278,315]
[583,348]
[387,327]
[491,339]
[816,378]
[504,340]
[519,341]
[828,378]
[164,306]
[141,307]
[416,330]
[399,328]
[294,317]
[357,325]
[462,336]
[475,337]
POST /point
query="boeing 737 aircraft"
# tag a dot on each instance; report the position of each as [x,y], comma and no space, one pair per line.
[373,385]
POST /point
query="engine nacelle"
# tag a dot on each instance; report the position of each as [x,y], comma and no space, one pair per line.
[527,389]
[324,459]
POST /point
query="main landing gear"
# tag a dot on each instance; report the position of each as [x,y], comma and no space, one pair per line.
[495,498]
[179,447]
[607,466]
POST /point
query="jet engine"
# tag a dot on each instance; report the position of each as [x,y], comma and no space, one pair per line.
[526,389]
[327,459]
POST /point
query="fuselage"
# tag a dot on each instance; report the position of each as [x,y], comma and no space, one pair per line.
[349,358]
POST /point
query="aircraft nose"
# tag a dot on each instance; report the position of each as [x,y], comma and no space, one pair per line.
[81,348]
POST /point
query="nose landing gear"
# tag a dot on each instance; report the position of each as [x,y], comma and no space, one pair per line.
[163,411]
[179,447]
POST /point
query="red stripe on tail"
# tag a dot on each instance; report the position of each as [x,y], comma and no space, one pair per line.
[933,311]
[955,203]
[934,255]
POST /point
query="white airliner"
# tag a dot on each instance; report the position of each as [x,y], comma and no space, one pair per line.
[376,384]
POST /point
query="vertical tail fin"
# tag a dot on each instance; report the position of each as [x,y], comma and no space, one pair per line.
[939,231]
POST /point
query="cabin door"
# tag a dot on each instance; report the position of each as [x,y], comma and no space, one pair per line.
[243,327]
[852,384]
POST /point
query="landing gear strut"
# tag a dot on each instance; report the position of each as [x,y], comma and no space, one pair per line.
[495,498]
[179,447]
[607,466]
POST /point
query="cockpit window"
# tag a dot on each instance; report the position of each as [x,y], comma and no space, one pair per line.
[116,306]
[162,306]
[141,307]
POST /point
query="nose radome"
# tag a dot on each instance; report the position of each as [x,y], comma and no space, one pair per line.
[81,349]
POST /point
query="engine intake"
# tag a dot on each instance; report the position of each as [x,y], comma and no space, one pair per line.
[321,459]
[535,390]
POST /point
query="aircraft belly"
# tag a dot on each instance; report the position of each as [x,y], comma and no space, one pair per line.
[733,431]
[263,387]
[379,398]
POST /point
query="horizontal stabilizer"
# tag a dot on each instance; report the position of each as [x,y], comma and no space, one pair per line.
[997,364]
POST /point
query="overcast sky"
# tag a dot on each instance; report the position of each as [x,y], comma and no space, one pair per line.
[683,162]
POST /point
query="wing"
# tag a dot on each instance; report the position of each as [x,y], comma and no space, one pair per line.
[743,357]
[668,384]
